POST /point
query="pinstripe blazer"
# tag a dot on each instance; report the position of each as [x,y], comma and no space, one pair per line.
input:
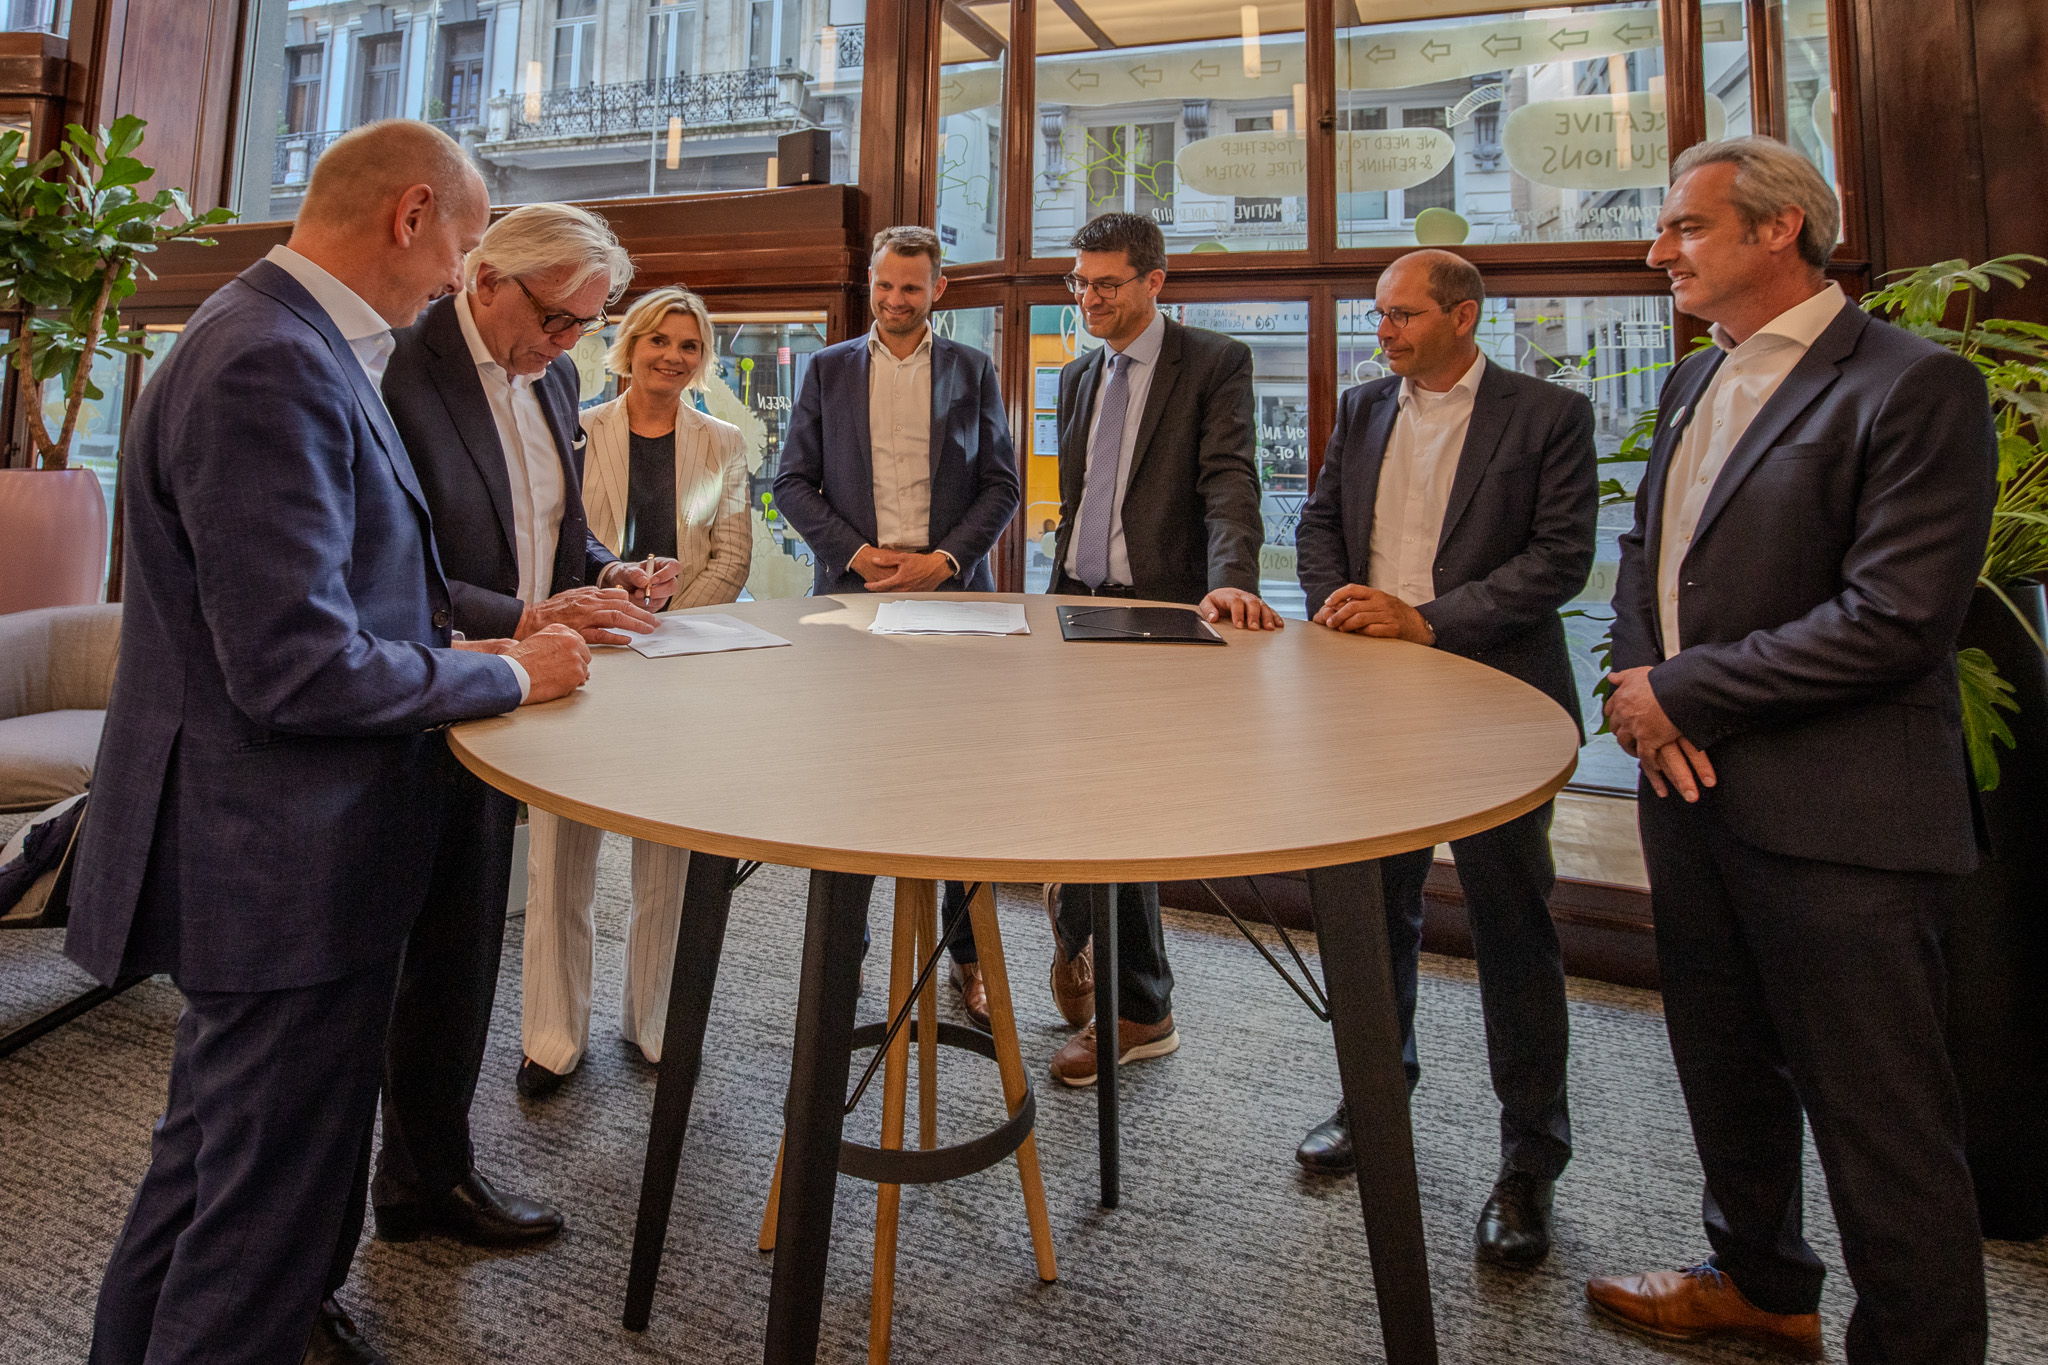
[714,534]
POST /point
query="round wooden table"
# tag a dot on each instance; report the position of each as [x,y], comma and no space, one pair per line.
[1030,758]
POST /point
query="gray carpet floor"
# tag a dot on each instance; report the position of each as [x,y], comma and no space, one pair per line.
[1222,1252]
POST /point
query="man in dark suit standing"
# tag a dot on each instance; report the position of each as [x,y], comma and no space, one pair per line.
[484,396]
[269,786]
[1807,535]
[1456,508]
[899,472]
[1159,498]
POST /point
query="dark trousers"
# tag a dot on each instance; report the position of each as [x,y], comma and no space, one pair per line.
[1506,873]
[446,988]
[1799,987]
[256,1175]
[1144,983]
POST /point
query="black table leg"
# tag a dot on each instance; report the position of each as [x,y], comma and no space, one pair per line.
[707,897]
[1102,915]
[1351,924]
[815,1112]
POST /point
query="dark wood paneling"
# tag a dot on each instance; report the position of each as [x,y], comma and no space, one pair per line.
[175,65]
[2012,71]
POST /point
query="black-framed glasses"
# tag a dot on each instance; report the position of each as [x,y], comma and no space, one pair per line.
[1400,317]
[555,324]
[1078,285]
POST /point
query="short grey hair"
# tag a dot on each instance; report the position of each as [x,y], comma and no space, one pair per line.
[1769,178]
[540,238]
[648,312]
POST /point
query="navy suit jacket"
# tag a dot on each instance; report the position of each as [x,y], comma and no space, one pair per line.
[825,483]
[267,792]
[1819,602]
[437,399]
[1191,506]
[1518,530]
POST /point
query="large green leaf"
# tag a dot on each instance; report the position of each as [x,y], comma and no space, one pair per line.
[1984,695]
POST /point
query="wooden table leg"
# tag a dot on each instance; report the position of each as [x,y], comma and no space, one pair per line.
[995,973]
[815,1112]
[707,898]
[1102,916]
[1351,925]
[913,907]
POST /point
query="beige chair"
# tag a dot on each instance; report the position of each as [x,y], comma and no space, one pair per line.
[56,673]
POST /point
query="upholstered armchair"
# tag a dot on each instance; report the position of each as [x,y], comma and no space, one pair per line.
[56,672]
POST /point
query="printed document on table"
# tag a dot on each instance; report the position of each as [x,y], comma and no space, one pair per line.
[898,616]
[702,635]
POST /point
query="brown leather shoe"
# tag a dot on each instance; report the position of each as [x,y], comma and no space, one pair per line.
[973,992]
[1073,978]
[1074,1064]
[1699,1302]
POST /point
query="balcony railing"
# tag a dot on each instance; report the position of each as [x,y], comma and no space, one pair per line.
[851,41]
[723,97]
[296,153]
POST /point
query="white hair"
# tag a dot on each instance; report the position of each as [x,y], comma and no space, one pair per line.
[540,238]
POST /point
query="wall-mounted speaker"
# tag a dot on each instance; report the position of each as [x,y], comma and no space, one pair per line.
[804,157]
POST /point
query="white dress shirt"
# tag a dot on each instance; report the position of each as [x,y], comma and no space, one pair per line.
[1141,362]
[900,441]
[369,336]
[1416,472]
[533,463]
[1749,374]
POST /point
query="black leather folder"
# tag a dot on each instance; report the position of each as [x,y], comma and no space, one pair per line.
[1137,625]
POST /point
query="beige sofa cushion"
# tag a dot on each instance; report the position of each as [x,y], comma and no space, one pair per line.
[58,659]
[47,757]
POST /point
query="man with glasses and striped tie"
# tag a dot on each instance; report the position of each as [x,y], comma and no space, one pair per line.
[1159,498]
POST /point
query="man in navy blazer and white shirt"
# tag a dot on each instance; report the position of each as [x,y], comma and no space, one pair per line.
[1456,508]
[899,471]
[484,395]
[269,786]
[1807,536]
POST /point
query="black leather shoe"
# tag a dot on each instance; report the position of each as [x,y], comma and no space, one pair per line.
[335,1340]
[536,1082]
[1514,1227]
[472,1212]
[1327,1148]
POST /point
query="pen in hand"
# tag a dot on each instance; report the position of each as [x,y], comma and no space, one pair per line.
[647,582]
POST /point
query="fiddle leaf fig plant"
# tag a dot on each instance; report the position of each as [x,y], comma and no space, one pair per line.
[73,231]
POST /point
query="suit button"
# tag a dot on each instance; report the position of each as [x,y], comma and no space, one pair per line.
[441,619]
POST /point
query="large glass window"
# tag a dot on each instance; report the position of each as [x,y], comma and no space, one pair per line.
[1191,115]
[974,53]
[1278,336]
[1799,33]
[555,99]
[37,16]
[1616,351]
[1536,125]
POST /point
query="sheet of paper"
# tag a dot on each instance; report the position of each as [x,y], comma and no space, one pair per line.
[702,635]
[901,616]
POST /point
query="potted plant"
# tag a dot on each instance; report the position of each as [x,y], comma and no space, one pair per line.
[1997,943]
[73,230]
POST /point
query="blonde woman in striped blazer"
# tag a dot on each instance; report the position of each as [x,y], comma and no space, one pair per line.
[665,348]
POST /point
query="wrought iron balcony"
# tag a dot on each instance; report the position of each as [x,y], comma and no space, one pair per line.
[718,98]
[296,153]
[852,44]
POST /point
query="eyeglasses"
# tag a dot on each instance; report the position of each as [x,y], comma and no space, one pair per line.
[1079,285]
[1400,317]
[555,324]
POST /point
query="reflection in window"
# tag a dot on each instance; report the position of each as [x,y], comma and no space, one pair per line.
[1278,336]
[1192,116]
[554,99]
[973,66]
[1616,351]
[1536,125]
[36,16]
[1799,31]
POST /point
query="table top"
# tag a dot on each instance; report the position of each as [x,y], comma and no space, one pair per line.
[1028,758]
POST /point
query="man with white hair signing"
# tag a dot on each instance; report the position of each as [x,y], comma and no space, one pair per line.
[483,391]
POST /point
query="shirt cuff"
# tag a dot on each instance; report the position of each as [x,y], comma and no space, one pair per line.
[950,560]
[519,675]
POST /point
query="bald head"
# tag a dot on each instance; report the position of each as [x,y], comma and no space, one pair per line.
[392,209]
[360,177]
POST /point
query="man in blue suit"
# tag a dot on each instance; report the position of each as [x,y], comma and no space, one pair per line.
[1456,508]
[268,791]
[899,472]
[1807,535]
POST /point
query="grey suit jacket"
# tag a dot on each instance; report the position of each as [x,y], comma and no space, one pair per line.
[1518,531]
[1191,509]
[1819,602]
